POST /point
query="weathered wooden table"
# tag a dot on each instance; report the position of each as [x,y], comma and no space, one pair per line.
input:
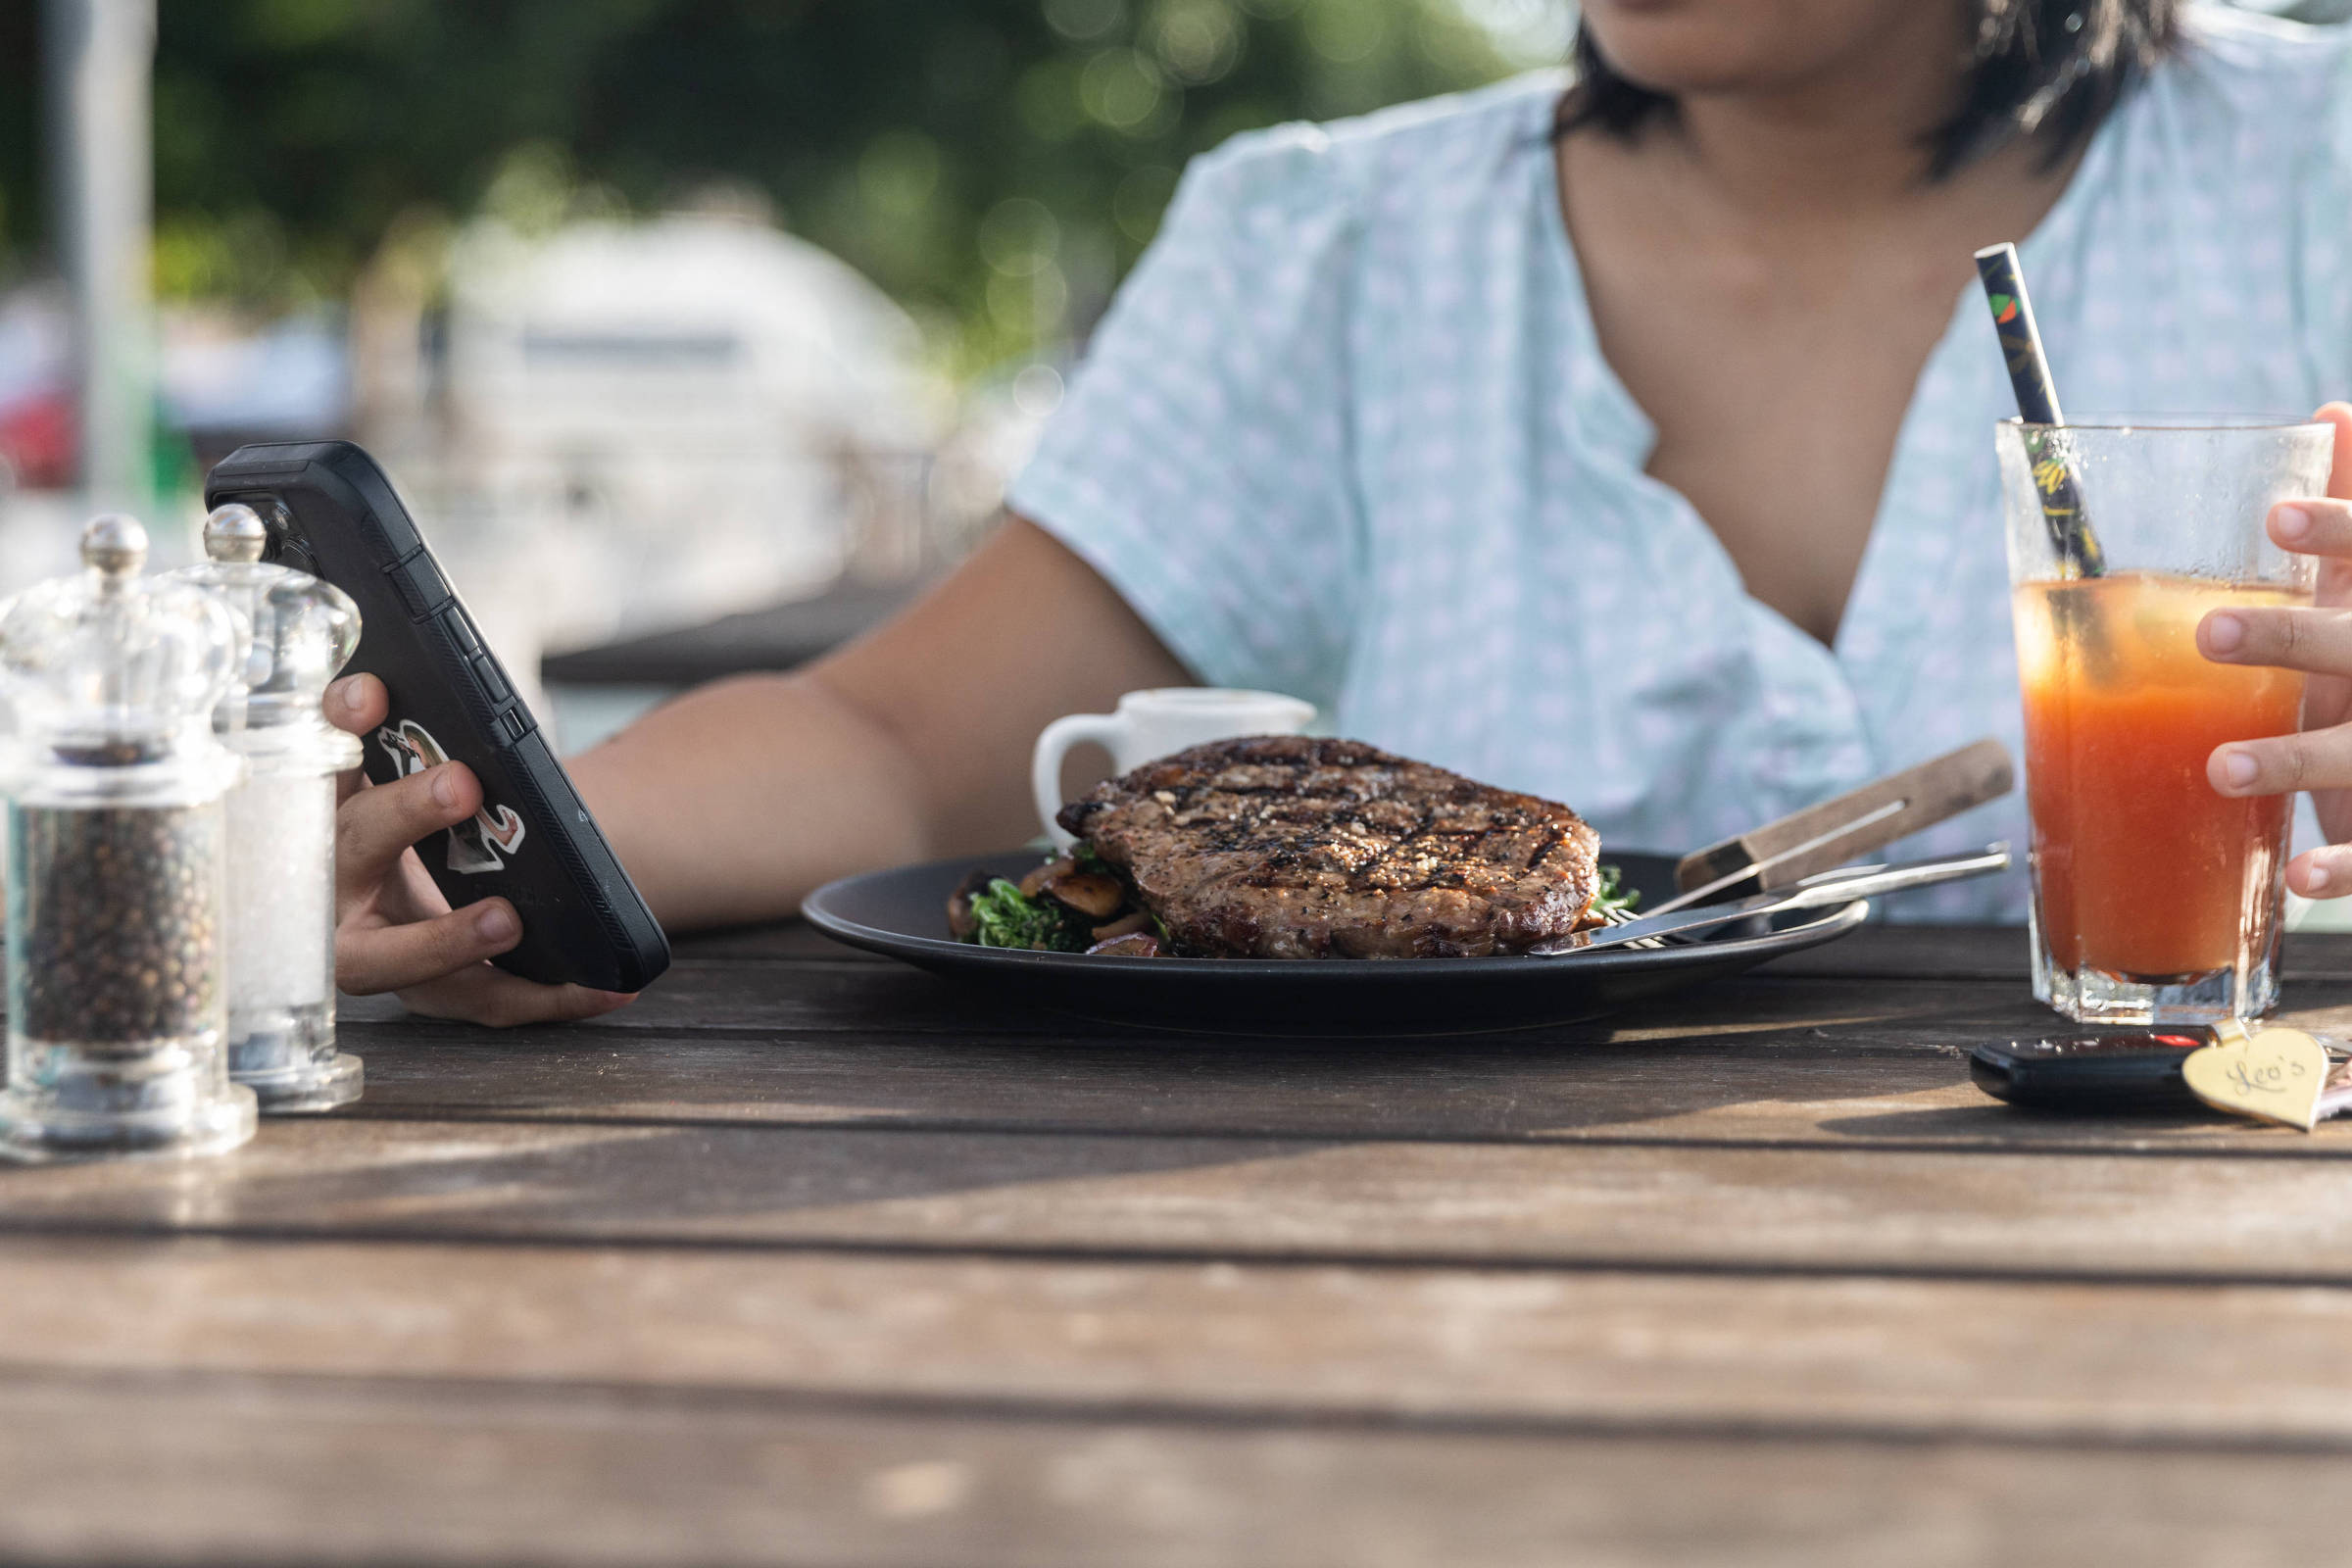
[810,1258]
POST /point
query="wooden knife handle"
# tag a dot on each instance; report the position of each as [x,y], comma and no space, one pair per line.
[1929,793]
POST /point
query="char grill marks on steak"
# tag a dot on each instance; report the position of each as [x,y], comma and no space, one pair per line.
[1299,846]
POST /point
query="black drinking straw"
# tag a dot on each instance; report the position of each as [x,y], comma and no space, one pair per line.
[2055,477]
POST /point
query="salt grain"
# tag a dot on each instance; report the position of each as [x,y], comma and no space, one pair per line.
[282,849]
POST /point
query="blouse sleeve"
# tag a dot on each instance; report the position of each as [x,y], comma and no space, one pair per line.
[1202,462]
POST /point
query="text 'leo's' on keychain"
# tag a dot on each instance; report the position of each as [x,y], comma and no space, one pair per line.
[2286,1076]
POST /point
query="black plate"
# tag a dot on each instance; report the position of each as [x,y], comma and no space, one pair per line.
[904,913]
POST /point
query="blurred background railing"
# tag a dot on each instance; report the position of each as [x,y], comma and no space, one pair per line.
[660,310]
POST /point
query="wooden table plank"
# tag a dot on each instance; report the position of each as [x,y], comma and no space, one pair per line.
[807,991]
[1655,1353]
[1065,1071]
[810,1257]
[1967,1212]
[1884,1067]
[799,996]
[1782,1085]
[254,1470]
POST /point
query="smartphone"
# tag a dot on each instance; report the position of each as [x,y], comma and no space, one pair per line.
[331,511]
[2091,1072]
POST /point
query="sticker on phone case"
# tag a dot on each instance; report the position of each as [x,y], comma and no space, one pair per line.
[473,844]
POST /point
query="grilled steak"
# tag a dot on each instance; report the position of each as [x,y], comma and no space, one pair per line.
[1293,846]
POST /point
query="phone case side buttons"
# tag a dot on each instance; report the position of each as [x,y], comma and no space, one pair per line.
[493,684]
[424,591]
[461,631]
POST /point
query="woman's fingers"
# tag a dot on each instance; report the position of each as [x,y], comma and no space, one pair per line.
[369,958]
[2322,873]
[437,963]
[493,997]
[356,704]
[377,825]
[2318,760]
[2317,640]
[2339,414]
[2313,526]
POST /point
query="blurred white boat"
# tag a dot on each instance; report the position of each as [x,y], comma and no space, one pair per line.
[673,419]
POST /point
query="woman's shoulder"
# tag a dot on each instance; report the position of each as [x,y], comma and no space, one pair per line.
[2242,74]
[1398,157]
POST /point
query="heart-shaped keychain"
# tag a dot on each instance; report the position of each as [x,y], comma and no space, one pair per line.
[2277,1075]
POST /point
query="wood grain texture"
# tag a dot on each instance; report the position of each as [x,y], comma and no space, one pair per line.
[1819,1062]
[2063,1215]
[1657,1354]
[799,994]
[812,1258]
[1065,1071]
[257,1470]
[1778,1085]
[781,978]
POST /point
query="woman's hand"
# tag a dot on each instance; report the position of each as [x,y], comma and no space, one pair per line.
[393,931]
[2319,641]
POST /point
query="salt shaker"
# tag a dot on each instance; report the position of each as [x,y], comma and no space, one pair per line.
[116,1000]
[281,819]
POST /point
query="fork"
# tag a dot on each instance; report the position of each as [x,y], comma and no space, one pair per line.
[1814,891]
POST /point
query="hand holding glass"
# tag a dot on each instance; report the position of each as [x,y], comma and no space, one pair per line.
[2156,898]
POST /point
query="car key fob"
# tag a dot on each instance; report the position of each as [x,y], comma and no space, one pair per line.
[2091,1072]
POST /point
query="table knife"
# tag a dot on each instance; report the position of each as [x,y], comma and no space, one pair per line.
[1783,852]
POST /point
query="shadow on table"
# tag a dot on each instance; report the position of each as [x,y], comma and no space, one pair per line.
[919,1052]
[1992,1120]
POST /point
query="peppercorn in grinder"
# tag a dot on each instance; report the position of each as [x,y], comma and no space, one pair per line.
[116,997]
[281,819]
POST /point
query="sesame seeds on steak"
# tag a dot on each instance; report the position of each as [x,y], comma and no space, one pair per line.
[1299,846]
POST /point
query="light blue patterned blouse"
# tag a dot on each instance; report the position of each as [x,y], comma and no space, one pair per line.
[1347,433]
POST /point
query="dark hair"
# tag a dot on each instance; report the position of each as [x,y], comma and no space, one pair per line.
[2051,69]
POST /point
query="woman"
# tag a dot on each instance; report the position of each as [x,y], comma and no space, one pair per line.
[1632,448]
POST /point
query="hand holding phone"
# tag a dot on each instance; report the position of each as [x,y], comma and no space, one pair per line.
[394,930]
[528,839]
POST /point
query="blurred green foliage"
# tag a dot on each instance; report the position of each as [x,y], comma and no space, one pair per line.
[994,163]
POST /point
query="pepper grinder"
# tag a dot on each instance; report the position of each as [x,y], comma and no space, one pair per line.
[117,997]
[281,819]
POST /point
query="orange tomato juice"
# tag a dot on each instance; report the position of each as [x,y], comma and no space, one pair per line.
[2143,870]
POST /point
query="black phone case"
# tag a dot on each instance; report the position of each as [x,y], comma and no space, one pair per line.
[331,511]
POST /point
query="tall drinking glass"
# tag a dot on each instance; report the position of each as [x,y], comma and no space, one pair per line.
[2155,899]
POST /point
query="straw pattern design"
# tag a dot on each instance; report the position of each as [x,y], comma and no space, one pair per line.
[2037,404]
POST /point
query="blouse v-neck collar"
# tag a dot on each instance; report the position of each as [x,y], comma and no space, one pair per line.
[1610,419]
